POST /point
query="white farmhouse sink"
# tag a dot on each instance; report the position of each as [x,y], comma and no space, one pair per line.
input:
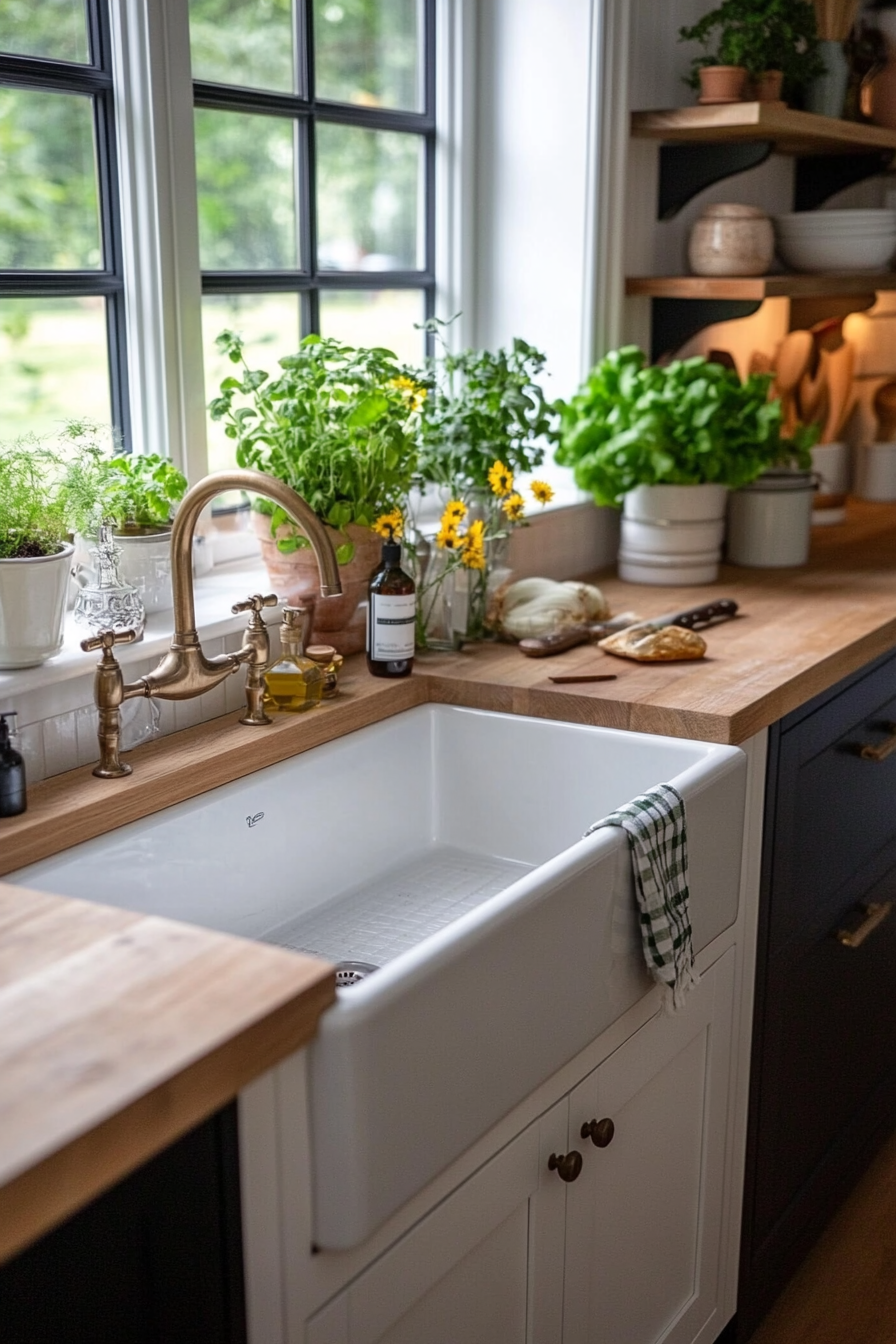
[444,845]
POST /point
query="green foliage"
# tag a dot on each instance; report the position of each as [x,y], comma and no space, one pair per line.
[481,406]
[130,491]
[759,35]
[689,423]
[337,425]
[32,505]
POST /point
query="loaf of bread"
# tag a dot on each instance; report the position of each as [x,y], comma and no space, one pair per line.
[655,644]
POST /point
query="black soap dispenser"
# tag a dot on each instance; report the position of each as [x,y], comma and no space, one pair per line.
[12,772]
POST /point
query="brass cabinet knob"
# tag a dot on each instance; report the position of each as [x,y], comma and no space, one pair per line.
[600,1132]
[567,1166]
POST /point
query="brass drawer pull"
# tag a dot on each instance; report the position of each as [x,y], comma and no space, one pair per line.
[869,753]
[600,1132]
[567,1166]
[875,913]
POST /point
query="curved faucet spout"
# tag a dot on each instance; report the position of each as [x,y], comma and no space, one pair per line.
[187,516]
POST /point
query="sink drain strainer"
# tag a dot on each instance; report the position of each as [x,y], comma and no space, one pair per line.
[350,972]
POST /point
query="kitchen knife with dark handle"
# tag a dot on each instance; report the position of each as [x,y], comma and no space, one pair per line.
[694,618]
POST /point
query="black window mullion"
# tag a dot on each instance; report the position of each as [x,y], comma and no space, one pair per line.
[309,281]
[92,80]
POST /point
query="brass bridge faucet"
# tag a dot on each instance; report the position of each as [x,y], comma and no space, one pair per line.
[184,671]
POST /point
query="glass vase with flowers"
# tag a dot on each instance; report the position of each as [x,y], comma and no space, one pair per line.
[482,424]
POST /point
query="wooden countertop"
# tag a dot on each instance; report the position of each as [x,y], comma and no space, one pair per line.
[118,1032]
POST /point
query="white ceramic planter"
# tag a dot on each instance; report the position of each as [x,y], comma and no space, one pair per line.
[769,522]
[145,563]
[32,607]
[672,534]
[876,472]
[830,463]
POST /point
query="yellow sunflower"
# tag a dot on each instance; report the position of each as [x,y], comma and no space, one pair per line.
[412,392]
[390,525]
[500,478]
[543,492]
[514,506]
[454,514]
[446,537]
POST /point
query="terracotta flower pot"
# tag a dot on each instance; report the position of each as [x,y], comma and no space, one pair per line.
[767,87]
[338,621]
[722,83]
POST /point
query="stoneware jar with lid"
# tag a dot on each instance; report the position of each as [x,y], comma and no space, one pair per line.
[731,240]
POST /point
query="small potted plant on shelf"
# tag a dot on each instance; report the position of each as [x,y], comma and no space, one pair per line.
[339,426]
[137,494]
[667,444]
[483,423]
[35,553]
[773,43]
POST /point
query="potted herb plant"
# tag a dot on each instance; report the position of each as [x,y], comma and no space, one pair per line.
[775,42]
[35,553]
[338,425]
[667,443]
[137,493]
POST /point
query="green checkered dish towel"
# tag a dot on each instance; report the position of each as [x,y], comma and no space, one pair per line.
[656,827]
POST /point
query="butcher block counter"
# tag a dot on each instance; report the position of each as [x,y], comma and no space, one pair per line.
[118,1032]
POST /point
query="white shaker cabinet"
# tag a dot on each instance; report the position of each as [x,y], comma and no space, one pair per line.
[627,1252]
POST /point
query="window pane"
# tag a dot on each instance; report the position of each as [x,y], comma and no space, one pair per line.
[56,29]
[245,170]
[55,363]
[269,324]
[245,42]
[368,52]
[49,207]
[376,317]
[368,194]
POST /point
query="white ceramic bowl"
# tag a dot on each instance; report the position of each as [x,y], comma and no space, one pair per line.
[840,222]
[857,252]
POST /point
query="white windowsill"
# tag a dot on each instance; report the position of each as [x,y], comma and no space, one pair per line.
[215,593]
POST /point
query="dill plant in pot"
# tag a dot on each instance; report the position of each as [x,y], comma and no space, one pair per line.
[339,425]
[35,553]
[137,493]
[666,444]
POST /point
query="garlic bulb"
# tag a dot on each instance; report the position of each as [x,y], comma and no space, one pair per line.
[532,607]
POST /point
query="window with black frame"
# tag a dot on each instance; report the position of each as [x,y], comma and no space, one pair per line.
[61,286]
[315,166]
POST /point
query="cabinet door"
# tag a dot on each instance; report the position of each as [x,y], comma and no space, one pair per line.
[644,1219]
[462,1274]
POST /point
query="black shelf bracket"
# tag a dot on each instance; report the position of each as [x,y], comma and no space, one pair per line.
[821,176]
[675,321]
[688,169]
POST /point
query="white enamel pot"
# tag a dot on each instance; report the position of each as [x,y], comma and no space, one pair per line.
[32,607]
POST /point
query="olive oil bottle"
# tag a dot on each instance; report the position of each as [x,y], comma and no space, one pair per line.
[293,683]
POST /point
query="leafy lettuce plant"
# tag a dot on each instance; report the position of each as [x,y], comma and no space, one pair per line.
[688,423]
[338,425]
[133,491]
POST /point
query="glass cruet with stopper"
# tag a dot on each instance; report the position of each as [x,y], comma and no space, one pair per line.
[293,682]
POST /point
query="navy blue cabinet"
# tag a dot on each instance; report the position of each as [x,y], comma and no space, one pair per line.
[155,1260]
[823,1073]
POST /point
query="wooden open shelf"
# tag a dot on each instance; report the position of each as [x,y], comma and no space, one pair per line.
[758,287]
[791,132]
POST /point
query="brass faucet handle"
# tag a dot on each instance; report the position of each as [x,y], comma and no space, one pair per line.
[255,603]
[106,639]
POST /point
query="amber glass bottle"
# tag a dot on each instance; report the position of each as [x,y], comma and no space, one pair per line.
[390,617]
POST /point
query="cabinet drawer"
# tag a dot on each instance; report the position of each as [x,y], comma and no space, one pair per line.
[836,829]
[829,1041]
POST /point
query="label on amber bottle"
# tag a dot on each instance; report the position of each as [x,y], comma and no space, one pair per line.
[391,631]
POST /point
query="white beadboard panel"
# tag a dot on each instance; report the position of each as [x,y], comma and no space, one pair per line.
[30,742]
[60,743]
[86,729]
